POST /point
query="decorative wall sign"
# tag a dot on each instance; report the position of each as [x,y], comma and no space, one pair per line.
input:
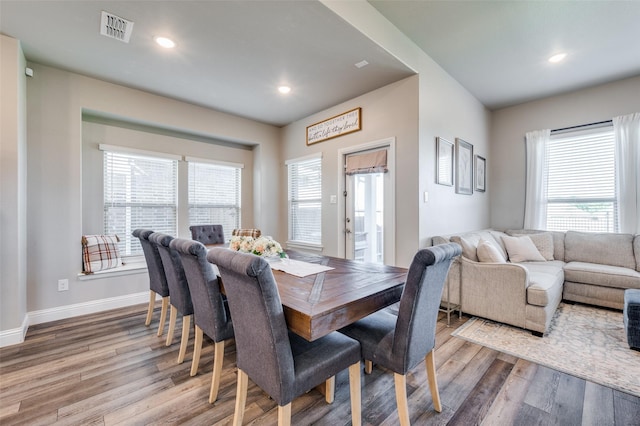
[333,127]
[464,167]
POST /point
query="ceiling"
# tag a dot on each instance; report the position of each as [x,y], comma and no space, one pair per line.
[232,55]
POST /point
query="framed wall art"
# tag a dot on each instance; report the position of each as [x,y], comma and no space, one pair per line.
[444,162]
[480,168]
[464,167]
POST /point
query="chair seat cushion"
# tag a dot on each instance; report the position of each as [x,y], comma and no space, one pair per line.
[375,334]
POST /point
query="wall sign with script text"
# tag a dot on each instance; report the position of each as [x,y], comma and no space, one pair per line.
[335,126]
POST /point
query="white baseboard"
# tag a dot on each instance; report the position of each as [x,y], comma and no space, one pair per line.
[16,335]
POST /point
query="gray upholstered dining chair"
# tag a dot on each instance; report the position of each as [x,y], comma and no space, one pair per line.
[157,278]
[400,343]
[180,299]
[280,362]
[207,234]
[210,310]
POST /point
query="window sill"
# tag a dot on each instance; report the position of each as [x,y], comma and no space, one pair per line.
[129,268]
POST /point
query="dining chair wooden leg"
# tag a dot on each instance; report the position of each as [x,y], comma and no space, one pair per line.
[330,389]
[401,398]
[218,359]
[433,380]
[356,394]
[152,303]
[241,397]
[284,415]
[184,341]
[368,366]
[197,350]
[163,314]
[172,325]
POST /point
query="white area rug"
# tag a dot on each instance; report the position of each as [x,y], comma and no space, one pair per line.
[583,341]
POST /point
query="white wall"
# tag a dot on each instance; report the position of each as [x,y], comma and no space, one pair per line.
[56,100]
[509,125]
[13,169]
[391,111]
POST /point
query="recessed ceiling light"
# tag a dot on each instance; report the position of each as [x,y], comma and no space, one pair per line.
[284,89]
[361,64]
[557,57]
[165,42]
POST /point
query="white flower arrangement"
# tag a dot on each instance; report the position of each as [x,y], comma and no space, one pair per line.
[261,246]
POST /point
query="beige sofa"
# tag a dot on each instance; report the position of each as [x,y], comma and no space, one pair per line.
[575,266]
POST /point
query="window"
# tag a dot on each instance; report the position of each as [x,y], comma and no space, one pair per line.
[214,195]
[140,191]
[305,196]
[581,183]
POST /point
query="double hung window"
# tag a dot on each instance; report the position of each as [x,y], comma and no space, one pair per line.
[581,182]
[140,191]
[305,200]
[214,194]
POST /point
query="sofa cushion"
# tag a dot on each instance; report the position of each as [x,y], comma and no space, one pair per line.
[602,275]
[543,242]
[602,248]
[543,288]
[489,252]
[521,249]
[469,242]
[557,236]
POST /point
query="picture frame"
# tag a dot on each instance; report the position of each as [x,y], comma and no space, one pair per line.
[480,168]
[338,125]
[444,162]
[464,167]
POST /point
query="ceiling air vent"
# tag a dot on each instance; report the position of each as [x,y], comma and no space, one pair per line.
[115,27]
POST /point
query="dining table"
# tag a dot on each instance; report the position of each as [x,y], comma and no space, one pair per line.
[319,303]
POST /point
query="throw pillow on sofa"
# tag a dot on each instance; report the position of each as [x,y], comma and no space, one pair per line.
[488,252]
[522,249]
[543,242]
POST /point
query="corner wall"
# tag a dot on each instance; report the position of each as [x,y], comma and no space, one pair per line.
[509,125]
[13,187]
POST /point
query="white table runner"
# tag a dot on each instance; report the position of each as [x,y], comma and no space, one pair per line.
[299,268]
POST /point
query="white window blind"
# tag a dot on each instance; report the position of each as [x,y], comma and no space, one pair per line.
[305,196]
[581,181]
[214,195]
[139,192]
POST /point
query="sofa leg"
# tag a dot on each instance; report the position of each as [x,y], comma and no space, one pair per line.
[537,334]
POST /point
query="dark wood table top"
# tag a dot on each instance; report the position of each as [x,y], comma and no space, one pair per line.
[318,304]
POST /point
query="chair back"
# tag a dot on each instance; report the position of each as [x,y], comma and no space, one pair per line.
[207,234]
[209,309]
[263,349]
[415,330]
[157,278]
[176,279]
[255,233]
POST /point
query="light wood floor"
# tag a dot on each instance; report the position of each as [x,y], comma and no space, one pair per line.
[109,368]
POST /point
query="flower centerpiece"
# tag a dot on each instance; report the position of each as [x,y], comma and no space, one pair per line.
[262,246]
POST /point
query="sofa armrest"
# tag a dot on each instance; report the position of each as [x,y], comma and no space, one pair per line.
[497,291]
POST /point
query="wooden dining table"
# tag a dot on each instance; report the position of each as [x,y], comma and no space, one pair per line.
[318,304]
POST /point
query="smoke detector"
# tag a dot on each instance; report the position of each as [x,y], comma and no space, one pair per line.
[113,26]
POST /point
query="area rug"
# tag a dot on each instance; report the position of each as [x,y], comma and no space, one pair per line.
[583,341]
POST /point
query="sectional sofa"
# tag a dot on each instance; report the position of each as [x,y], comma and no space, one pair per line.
[519,277]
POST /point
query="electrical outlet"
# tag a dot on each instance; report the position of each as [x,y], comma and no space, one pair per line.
[63,285]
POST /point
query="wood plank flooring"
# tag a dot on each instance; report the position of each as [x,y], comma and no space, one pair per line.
[108,369]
